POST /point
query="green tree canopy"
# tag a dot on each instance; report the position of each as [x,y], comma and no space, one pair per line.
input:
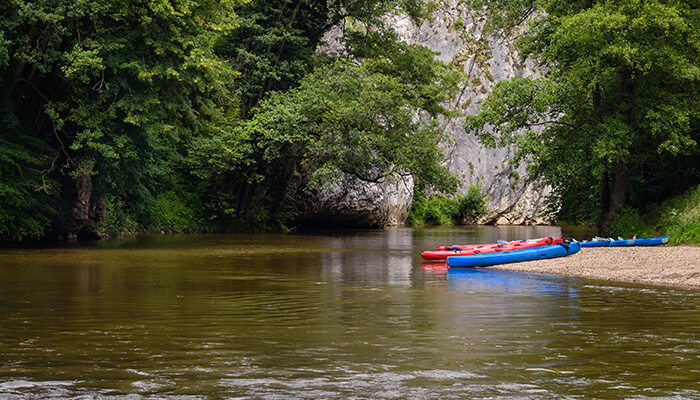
[619,93]
[362,119]
[139,108]
[349,118]
[112,88]
[276,41]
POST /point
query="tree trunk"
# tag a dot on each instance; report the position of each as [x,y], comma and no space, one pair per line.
[620,185]
[603,223]
[85,211]
[612,202]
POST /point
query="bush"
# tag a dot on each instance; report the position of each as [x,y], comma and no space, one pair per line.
[441,210]
[629,223]
[472,205]
[433,210]
[174,215]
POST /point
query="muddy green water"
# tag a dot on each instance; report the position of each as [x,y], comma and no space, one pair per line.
[350,315]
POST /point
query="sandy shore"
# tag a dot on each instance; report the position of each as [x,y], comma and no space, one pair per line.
[659,265]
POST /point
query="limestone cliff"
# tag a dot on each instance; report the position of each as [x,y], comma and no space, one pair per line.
[457,35]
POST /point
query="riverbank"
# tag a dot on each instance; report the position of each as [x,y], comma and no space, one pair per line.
[659,265]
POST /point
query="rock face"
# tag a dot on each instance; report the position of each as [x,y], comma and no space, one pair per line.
[354,204]
[457,35]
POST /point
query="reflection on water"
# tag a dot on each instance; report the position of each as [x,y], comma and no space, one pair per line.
[330,315]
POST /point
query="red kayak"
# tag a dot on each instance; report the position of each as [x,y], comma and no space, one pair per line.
[544,241]
[450,251]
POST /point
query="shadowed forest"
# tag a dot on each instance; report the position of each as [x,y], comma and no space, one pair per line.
[194,116]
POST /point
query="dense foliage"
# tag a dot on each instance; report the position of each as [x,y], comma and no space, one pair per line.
[97,98]
[614,117]
[443,210]
[181,114]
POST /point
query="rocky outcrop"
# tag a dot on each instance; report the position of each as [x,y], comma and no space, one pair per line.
[457,35]
[352,203]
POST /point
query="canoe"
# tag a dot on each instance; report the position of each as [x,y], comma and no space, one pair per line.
[441,255]
[535,253]
[543,241]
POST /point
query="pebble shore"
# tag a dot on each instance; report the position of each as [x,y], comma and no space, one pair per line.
[677,266]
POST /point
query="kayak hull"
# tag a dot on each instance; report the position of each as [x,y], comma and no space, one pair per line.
[596,243]
[622,243]
[534,253]
[655,241]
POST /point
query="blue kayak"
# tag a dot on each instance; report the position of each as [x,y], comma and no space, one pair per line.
[534,253]
[652,242]
[596,243]
[622,242]
[626,242]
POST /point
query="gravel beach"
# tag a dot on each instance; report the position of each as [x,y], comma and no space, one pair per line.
[659,265]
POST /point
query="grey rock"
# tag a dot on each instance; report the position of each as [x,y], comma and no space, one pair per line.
[352,203]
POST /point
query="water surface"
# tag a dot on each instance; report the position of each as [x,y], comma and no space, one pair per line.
[351,315]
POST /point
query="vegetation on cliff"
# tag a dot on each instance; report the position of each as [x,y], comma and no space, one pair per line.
[613,122]
[184,115]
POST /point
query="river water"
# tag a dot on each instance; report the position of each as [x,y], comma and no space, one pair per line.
[342,315]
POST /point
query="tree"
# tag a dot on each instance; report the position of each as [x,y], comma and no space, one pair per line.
[276,41]
[349,118]
[620,87]
[29,202]
[111,107]
[114,90]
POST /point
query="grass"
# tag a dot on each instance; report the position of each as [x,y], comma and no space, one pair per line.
[677,217]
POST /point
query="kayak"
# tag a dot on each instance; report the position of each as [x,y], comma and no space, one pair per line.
[600,242]
[440,255]
[642,242]
[596,243]
[543,241]
[622,242]
[535,253]
[652,241]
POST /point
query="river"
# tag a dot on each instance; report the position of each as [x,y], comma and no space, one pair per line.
[330,315]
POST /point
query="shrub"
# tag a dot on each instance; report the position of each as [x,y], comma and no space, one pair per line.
[441,210]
